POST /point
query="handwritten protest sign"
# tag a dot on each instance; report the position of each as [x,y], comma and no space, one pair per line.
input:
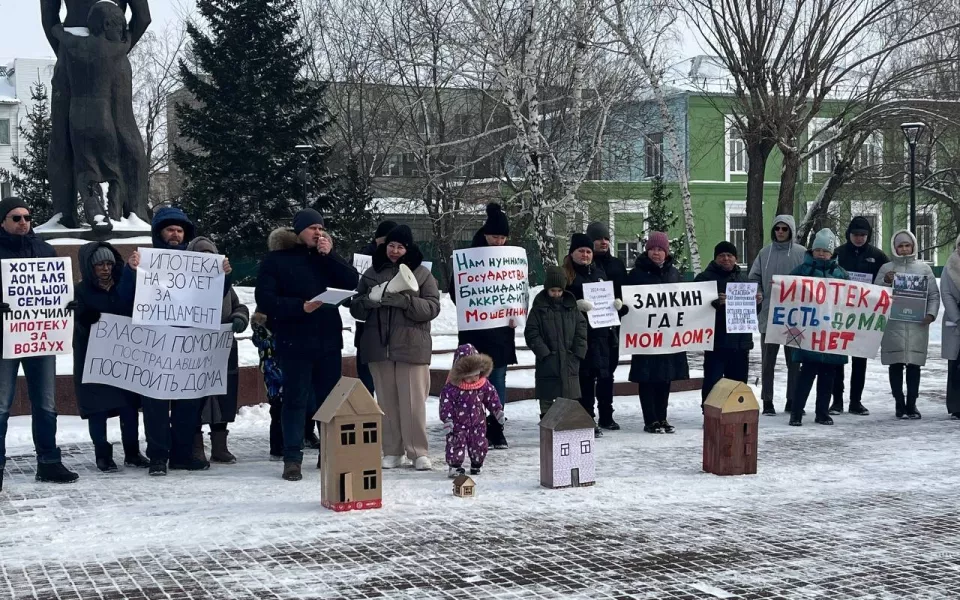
[909,298]
[669,318]
[37,290]
[604,314]
[491,286]
[741,307]
[362,262]
[166,363]
[179,288]
[835,316]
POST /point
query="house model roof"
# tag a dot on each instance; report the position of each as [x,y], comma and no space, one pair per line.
[732,396]
[348,397]
[566,415]
[462,480]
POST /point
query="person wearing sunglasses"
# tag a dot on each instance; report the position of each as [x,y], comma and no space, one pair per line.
[17,240]
[780,257]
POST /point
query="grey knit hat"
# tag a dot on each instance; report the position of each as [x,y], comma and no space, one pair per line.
[102,255]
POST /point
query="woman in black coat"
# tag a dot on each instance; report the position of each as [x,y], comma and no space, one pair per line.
[100,268]
[655,372]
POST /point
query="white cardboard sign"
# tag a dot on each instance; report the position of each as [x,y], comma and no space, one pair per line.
[491,287]
[741,307]
[37,290]
[668,318]
[604,314]
[175,287]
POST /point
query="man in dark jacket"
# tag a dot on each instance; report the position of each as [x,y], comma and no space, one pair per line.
[604,257]
[309,339]
[730,356]
[862,260]
[17,240]
[363,369]
[169,424]
[498,343]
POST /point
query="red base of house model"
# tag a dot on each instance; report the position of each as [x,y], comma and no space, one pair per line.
[358,505]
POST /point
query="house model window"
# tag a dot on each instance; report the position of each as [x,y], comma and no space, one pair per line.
[370,480]
[369,433]
[348,436]
[585,447]
[564,449]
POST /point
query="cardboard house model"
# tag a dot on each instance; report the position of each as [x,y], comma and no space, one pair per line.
[567,456]
[350,429]
[730,417]
[464,486]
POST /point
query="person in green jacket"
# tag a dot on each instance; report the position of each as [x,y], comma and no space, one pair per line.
[819,262]
[556,332]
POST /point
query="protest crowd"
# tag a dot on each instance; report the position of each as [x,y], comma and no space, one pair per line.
[138,326]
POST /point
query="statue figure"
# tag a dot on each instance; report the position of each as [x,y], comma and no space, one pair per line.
[95,138]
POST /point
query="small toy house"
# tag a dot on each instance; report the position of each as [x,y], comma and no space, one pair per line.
[730,418]
[464,487]
[350,429]
[567,446]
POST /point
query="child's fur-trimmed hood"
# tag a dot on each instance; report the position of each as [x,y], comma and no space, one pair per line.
[470,364]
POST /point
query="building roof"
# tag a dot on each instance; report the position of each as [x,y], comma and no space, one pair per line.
[462,480]
[8,94]
[348,397]
[566,415]
[732,396]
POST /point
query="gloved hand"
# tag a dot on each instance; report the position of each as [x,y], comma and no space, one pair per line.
[447,427]
[366,302]
[72,305]
[500,417]
[396,300]
[239,324]
[4,307]
[584,305]
[617,304]
[89,317]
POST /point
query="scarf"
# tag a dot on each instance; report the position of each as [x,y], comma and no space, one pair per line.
[476,385]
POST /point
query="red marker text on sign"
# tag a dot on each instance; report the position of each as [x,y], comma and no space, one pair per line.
[644,340]
[833,340]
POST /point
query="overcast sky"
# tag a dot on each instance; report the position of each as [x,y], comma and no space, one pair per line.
[22,35]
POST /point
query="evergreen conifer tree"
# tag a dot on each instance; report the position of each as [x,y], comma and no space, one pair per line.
[251,108]
[29,180]
[349,209]
[661,218]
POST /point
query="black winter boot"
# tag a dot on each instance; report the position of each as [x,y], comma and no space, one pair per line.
[158,468]
[133,458]
[104,454]
[836,408]
[55,473]
[218,448]
[856,408]
[768,408]
[189,464]
[291,471]
[900,406]
[911,411]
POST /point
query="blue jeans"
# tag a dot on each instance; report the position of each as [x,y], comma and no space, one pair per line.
[306,384]
[129,427]
[41,374]
[498,379]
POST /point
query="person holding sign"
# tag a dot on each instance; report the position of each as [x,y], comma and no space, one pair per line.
[17,240]
[604,258]
[396,343]
[309,340]
[499,343]
[654,373]
[862,260]
[780,257]
[905,343]
[556,332]
[100,268]
[596,370]
[217,411]
[363,369]
[821,366]
[950,348]
[730,357]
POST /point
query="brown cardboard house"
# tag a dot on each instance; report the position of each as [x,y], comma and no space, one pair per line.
[350,429]
[730,418]
[464,486]
[567,456]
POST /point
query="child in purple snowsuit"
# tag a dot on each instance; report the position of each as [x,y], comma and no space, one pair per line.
[464,403]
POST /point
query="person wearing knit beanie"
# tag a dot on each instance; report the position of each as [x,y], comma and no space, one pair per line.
[901,239]
[10,203]
[496,223]
[382,230]
[725,247]
[306,218]
[555,279]
[598,231]
[202,244]
[657,239]
[102,255]
[401,235]
[580,240]
[825,241]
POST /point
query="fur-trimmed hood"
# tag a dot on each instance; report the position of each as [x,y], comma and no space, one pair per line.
[468,365]
[282,238]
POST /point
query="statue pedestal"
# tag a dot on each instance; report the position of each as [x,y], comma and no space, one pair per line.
[127,236]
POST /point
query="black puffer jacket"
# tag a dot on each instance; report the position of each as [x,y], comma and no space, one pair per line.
[646,368]
[602,344]
[93,301]
[498,343]
[556,332]
[292,274]
[865,259]
[721,339]
[614,268]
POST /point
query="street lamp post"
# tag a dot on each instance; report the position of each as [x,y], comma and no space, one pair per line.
[913,131]
[305,150]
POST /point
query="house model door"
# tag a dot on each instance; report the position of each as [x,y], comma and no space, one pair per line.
[346,487]
[575,477]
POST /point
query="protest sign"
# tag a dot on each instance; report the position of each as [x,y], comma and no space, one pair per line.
[604,314]
[362,262]
[669,318]
[860,277]
[179,288]
[741,307]
[490,287]
[37,290]
[835,316]
[909,298]
[166,363]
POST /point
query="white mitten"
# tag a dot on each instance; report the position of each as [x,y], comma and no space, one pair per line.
[584,305]
[376,293]
[617,304]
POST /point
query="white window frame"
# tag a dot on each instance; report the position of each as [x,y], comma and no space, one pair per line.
[875,141]
[821,160]
[728,162]
[621,206]
[935,227]
[734,208]
[657,152]
[875,209]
